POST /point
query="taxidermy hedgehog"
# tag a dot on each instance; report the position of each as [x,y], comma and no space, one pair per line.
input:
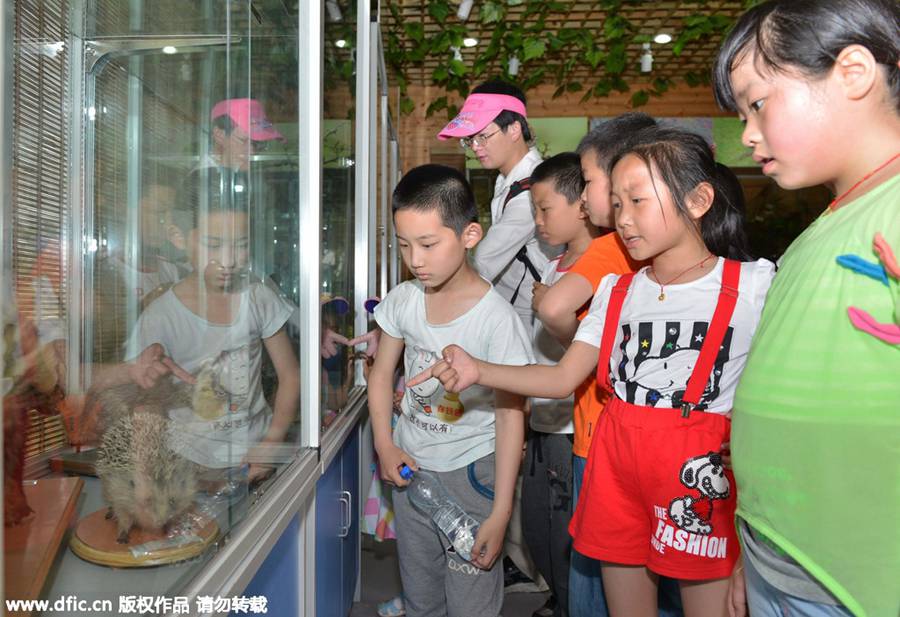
[146,482]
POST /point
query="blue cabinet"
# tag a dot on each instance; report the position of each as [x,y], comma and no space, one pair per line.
[337,532]
[277,578]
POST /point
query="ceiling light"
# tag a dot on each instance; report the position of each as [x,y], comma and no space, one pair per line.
[340,43]
[470,42]
[662,38]
[465,7]
[169,49]
[514,65]
[646,59]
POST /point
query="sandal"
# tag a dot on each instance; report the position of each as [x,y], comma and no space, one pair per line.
[392,608]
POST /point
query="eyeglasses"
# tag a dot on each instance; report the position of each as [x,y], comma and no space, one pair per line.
[476,140]
[246,142]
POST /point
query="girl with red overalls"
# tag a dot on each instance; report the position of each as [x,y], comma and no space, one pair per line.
[669,342]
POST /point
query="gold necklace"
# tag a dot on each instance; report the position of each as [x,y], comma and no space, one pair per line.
[662,292]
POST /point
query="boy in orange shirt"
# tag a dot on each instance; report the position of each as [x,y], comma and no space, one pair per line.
[561,309]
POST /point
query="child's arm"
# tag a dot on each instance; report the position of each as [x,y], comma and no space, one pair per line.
[287,394]
[458,370]
[380,394]
[557,309]
[510,429]
[145,370]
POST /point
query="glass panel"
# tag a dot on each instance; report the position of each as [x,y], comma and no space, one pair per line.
[167,339]
[338,193]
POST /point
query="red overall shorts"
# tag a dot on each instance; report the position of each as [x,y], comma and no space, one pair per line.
[655,492]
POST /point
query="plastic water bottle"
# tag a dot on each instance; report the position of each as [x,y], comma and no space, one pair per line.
[428,495]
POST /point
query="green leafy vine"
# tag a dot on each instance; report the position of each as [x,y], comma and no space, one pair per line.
[540,52]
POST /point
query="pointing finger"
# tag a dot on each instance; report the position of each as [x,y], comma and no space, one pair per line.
[421,377]
[340,338]
[179,372]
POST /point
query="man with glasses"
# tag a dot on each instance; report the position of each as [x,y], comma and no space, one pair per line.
[492,123]
[240,129]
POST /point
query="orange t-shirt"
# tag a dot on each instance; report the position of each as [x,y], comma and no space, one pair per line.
[605,255]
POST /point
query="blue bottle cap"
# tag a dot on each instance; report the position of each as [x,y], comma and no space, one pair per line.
[405,472]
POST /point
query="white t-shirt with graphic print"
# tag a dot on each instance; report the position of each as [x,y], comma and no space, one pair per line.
[657,342]
[440,430]
[236,350]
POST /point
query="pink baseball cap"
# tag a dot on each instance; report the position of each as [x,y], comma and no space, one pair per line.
[478,111]
[249,115]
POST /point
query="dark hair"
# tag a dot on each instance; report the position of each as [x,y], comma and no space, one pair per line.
[505,117]
[808,35]
[608,137]
[564,170]
[224,122]
[684,160]
[207,191]
[437,187]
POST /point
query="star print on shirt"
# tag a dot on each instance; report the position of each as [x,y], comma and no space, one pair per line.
[653,362]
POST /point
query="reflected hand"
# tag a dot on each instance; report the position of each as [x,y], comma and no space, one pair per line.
[371,340]
[330,342]
[152,364]
[258,473]
[456,372]
[488,542]
[539,291]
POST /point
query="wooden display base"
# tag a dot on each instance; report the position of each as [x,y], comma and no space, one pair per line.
[30,547]
[94,540]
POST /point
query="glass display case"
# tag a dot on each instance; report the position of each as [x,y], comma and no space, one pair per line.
[339,304]
[188,244]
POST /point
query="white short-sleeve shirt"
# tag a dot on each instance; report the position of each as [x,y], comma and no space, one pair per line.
[236,349]
[440,430]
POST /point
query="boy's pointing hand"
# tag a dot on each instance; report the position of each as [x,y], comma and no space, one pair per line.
[456,372]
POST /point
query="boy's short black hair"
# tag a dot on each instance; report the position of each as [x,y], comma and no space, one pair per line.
[209,190]
[505,118]
[437,187]
[564,170]
[608,138]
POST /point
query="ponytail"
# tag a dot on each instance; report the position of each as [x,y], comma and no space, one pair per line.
[722,227]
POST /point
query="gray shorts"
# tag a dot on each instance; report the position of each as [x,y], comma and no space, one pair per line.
[436,581]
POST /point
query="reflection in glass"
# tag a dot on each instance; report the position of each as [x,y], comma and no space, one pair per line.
[338,130]
[165,337]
